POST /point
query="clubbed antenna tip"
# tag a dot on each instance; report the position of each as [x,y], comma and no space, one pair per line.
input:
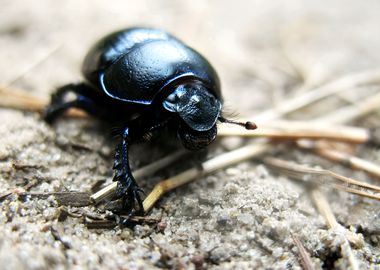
[250,125]
[247,125]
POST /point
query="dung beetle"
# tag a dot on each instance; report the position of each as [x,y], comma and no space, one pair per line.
[145,80]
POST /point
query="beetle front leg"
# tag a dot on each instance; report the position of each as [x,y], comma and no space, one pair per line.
[127,187]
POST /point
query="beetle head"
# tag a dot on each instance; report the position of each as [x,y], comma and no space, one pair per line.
[198,110]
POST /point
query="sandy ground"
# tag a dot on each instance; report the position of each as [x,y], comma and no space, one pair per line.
[242,217]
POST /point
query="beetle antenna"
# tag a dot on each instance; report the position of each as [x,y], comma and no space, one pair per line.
[247,125]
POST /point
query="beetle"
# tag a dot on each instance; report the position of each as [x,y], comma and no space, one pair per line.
[145,79]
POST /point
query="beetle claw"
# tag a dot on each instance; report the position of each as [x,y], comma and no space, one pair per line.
[128,191]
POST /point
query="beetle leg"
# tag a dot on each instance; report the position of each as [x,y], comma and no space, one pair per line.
[83,100]
[77,88]
[127,187]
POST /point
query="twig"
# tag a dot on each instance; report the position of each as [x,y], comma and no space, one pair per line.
[5,195]
[322,176]
[68,198]
[57,237]
[99,224]
[106,223]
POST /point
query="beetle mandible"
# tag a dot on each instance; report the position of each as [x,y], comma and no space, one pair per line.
[146,79]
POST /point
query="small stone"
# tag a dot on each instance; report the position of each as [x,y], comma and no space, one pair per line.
[15,207]
[262,171]
[220,254]
[246,219]
[191,207]
[232,171]
[142,230]
[198,261]
[161,226]
[230,188]
[224,222]
[277,252]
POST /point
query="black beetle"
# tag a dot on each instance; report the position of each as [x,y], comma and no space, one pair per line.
[146,79]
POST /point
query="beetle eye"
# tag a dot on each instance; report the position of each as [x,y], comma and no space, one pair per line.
[172,101]
[171,98]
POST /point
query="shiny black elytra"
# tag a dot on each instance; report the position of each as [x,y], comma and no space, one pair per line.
[145,79]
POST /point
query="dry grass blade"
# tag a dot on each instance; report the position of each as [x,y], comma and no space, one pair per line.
[21,100]
[324,208]
[345,159]
[321,176]
[350,112]
[209,166]
[294,130]
[347,82]
[304,258]
[48,53]
[18,99]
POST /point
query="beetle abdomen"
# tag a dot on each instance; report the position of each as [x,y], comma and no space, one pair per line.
[136,65]
[110,48]
[140,75]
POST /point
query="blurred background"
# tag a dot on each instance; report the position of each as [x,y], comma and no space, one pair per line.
[261,49]
[238,218]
